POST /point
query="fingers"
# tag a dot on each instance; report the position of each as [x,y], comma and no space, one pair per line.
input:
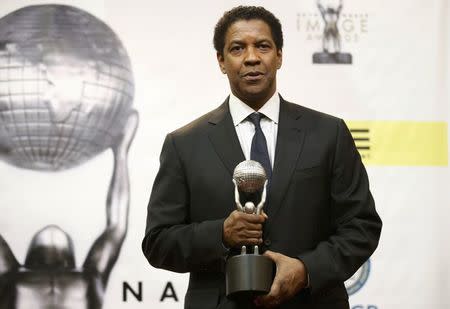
[276,295]
[246,221]
[272,299]
[289,279]
[253,234]
[253,226]
[245,232]
[252,218]
[248,237]
[243,229]
[251,242]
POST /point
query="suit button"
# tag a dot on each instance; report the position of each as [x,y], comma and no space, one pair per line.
[267,242]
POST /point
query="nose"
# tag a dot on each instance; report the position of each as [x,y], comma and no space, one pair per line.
[252,57]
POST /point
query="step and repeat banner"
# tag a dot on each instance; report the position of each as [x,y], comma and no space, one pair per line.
[78,78]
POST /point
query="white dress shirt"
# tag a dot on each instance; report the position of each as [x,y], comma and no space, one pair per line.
[245,129]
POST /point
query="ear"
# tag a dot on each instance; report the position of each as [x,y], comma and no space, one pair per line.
[221,61]
[279,58]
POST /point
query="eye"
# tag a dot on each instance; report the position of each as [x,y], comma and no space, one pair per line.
[236,48]
[264,46]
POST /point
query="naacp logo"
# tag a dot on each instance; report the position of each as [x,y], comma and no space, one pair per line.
[333,30]
[357,281]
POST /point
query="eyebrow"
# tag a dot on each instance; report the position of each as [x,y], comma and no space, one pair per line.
[238,41]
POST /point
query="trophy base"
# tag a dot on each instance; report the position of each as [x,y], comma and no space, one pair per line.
[332,58]
[249,275]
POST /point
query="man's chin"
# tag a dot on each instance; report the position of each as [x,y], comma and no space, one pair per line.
[254,98]
[254,91]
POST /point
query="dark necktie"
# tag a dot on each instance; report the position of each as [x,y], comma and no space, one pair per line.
[259,151]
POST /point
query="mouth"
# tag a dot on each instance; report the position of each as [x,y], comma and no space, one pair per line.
[253,76]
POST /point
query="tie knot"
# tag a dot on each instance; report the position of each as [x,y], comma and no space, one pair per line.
[255,118]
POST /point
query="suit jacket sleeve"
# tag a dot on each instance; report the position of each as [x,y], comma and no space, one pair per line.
[356,223]
[171,240]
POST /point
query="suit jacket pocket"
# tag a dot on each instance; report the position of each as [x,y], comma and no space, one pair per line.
[310,171]
[201,299]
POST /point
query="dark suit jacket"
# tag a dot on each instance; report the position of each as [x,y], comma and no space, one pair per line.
[320,208]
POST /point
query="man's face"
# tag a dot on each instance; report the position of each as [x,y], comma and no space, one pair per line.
[251,60]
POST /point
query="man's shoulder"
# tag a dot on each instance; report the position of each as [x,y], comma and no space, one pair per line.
[201,124]
[311,115]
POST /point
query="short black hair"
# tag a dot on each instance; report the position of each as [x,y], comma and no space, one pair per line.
[246,13]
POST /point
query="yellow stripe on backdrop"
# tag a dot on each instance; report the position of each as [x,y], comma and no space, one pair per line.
[405,143]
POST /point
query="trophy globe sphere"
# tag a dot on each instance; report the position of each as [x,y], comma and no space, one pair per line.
[66,87]
[249,176]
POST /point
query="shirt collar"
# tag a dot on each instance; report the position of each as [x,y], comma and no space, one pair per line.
[240,111]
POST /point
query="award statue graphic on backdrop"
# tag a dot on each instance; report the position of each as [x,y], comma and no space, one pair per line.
[331,39]
[66,93]
[249,273]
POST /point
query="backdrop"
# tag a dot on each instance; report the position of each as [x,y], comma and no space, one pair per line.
[394,95]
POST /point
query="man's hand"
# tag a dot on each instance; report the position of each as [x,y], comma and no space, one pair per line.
[289,280]
[243,229]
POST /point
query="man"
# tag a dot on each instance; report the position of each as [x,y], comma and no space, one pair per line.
[49,277]
[321,224]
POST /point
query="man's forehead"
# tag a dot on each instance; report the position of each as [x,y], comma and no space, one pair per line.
[256,28]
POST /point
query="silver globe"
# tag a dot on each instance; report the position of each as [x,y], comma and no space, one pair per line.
[250,176]
[66,87]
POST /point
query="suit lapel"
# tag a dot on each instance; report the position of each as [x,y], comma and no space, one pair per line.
[290,139]
[224,138]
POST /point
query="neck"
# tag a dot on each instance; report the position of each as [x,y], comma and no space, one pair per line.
[255,101]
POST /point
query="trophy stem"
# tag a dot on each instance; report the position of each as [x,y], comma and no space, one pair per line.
[256,250]
[244,250]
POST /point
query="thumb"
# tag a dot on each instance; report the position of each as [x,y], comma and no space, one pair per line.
[271,255]
[264,214]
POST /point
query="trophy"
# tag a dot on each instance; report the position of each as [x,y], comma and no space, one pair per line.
[331,39]
[249,273]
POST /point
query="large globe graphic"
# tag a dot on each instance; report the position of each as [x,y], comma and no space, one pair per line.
[66,87]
